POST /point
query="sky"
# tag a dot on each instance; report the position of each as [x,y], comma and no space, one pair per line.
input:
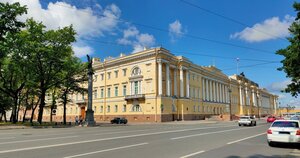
[233,35]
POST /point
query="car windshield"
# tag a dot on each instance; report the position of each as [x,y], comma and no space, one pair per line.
[285,124]
[245,117]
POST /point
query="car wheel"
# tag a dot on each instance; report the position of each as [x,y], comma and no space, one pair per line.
[271,144]
[254,123]
[240,125]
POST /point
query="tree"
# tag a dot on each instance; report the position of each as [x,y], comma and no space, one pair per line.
[74,76]
[9,23]
[291,63]
[48,52]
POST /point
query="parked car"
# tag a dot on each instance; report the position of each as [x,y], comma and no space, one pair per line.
[247,120]
[295,117]
[119,120]
[284,131]
[271,119]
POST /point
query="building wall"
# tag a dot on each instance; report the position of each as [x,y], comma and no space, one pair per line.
[162,87]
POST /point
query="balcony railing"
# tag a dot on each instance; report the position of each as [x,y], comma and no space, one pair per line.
[135,96]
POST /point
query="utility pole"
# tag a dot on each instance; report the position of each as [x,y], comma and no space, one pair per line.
[89,120]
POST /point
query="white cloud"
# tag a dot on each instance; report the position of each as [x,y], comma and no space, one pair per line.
[81,51]
[278,86]
[176,30]
[272,28]
[61,14]
[137,40]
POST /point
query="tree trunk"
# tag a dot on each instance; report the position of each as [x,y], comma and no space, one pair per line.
[24,116]
[41,107]
[33,109]
[4,113]
[65,107]
[1,115]
[14,118]
[51,113]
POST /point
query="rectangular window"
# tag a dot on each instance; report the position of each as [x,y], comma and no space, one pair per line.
[124,108]
[102,92]
[102,77]
[108,108]
[108,75]
[116,74]
[95,78]
[108,92]
[124,90]
[116,91]
[124,72]
[136,87]
[101,109]
[82,96]
[95,93]
[116,108]
[194,108]
[77,97]
[198,108]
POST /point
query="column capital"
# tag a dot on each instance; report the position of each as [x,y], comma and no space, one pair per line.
[162,61]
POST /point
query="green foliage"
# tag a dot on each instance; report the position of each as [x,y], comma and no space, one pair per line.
[9,24]
[291,63]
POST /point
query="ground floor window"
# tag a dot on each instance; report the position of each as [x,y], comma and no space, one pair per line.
[136,108]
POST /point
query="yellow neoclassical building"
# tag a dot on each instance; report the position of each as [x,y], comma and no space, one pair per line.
[154,85]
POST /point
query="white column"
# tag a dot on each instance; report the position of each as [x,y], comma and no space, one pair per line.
[253,97]
[168,79]
[181,82]
[203,89]
[206,89]
[187,84]
[214,90]
[218,92]
[175,81]
[140,87]
[241,100]
[210,91]
[159,78]
[247,95]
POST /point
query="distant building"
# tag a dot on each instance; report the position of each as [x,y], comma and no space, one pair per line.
[155,86]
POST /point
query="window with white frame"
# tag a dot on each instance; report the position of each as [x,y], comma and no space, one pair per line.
[108,75]
[108,108]
[108,92]
[116,91]
[136,108]
[116,108]
[116,73]
[124,90]
[102,92]
[95,93]
[124,72]
[101,109]
[124,108]
[136,87]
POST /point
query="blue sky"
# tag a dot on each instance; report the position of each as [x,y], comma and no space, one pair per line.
[213,32]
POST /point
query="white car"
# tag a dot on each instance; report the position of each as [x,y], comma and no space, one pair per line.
[247,120]
[284,131]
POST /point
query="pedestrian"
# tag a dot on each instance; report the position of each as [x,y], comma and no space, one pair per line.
[80,121]
[76,120]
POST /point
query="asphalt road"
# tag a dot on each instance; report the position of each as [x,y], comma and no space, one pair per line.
[184,140]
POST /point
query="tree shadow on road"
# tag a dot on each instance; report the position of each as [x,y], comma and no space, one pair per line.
[263,156]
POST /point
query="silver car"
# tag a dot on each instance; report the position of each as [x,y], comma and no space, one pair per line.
[284,131]
[247,120]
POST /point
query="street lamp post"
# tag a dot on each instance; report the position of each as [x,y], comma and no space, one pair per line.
[89,120]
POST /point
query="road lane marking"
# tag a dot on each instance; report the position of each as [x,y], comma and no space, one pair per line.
[200,134]
[123,132]
[192,154]
[33,140]
[246,138]
[101,151]
[103,139]
[8,138]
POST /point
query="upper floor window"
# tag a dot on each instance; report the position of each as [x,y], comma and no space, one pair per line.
[102,76]
[136,108]
[136,71]
[108,92]
[124,72]
[116,74]
[102,92]
[108,75]
[124,90]
[116,91]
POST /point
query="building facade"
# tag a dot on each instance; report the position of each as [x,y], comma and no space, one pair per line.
[156,86]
